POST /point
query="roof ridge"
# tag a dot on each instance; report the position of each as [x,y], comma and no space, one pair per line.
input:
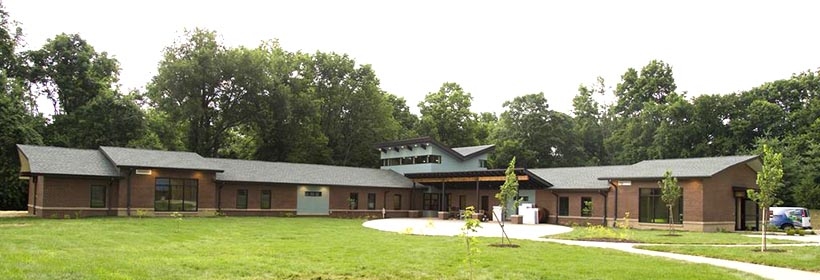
[57,147]
[296,163]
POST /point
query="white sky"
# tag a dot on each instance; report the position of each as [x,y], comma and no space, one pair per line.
[496,51]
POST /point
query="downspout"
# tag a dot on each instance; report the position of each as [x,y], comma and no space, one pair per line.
[615,218]
[557,206]
[128,194]
[606,201]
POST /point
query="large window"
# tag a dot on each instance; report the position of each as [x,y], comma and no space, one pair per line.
[353,200]
[97,196]
[264,199]
[411,160]
[175,194]
[563,206]
[430,201]
[396,202]
[242,199]
[586,206]
[653,210]
[371,201]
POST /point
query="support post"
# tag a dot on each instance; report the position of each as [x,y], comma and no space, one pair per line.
[615,216]
[604,194]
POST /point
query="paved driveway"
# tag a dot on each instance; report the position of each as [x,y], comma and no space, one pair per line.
[425,226]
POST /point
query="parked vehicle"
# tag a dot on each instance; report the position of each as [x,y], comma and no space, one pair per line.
[789,217]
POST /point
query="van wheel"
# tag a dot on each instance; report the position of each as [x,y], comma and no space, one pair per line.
[787,226]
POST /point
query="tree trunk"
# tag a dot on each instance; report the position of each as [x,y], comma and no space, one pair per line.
[763,229]
[670,218]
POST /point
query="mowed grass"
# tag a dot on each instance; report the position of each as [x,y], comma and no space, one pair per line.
[662,236]
[296,248]
[802,257]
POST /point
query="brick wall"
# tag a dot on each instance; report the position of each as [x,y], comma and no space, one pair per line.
[143,189]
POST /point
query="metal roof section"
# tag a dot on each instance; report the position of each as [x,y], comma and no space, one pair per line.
[128,157]
[684,168]
[64,161]
[461,153]
[307,174]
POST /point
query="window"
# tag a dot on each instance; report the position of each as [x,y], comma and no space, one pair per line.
[97,196]
[421,159]
[586,206]
[313,193]
[411,160]
[371,201]
[652,209]
[482,163]
[353,201]
[264,199]
[396,202]
[242,199]
[462,201]
[430,201]
[407,160]
[563,206]
[175,194]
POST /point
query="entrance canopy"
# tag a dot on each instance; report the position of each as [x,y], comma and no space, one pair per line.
[470,179]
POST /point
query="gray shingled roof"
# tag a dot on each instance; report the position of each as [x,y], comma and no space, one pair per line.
[683,168]
[308,174]
[469,151]
[67,161]
[158,159]
[577,178]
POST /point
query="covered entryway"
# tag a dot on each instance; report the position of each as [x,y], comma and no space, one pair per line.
[453,191]
[312,200]
[747,215]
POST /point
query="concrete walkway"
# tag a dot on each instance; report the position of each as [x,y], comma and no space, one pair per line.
[535,232]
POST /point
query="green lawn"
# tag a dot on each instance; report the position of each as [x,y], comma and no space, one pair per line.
[661,236]
[803,257]
[295,248]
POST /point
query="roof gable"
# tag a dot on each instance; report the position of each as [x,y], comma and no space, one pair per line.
[308,174]
[127,157]
[684,168]
[65,161]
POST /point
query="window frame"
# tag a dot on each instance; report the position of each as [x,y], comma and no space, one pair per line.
[184,187]
[396,201]
[584,211]
[353,201]
[242,197]
[563,206]
[263,201]
[431,201]
[91,198]
[371,201]
[659,213]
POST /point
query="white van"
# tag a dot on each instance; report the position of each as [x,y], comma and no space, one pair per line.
[784,217]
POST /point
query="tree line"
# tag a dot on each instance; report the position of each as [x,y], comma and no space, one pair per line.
[267,103]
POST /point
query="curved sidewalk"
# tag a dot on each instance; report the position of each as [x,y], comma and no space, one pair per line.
[535,233]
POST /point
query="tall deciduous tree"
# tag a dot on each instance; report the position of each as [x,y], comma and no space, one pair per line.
[17,125]
[588,124]
[535,135]
[670,193]
[197,85]
[769,180]
[71,73]
[446,116]
[355,112]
